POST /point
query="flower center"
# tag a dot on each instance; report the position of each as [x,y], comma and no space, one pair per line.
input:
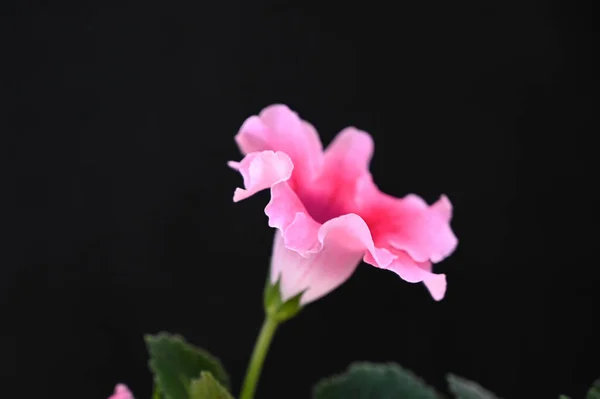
[323,204]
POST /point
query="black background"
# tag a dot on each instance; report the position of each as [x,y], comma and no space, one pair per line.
[119,119]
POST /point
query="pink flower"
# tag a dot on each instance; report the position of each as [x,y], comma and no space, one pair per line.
[121,392]
[328,212]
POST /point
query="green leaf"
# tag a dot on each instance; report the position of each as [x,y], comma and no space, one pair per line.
[465,389]
[563,397]
[175,363]
[206,387]
[594,392]
[374,381]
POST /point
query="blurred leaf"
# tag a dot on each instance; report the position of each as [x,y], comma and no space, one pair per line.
[594,392]
[175,363]
[206,387]
[156,392]
[374,381]
[466,389]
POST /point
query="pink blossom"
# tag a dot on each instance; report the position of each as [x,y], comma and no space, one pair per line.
[328,212]
[121,392]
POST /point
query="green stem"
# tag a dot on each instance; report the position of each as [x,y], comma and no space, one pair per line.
[258,357]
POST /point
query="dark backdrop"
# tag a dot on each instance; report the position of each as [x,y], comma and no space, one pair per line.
[119,120]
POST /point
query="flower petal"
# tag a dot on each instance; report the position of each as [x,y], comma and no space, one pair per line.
[278,128]
[424,231]
[121,392]
[349,154]
[409,224]
[317,274]
[352,233]
[283,206]
[415,272]
[261,170]
[314,257]
[436,284]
